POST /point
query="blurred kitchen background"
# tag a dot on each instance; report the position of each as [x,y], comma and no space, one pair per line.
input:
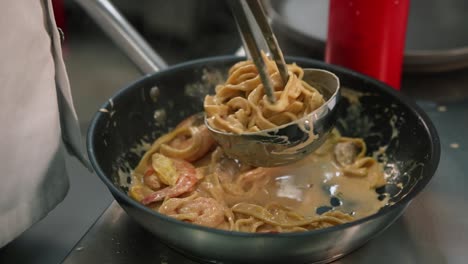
[181,30]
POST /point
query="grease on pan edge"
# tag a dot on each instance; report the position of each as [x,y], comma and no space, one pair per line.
[160,115]
[154,94]
[442,108]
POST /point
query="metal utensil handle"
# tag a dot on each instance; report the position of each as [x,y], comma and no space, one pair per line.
[270,38]
[252,47]
[123,34]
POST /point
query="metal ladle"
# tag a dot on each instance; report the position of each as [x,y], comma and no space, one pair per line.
[289,142]
[273,147]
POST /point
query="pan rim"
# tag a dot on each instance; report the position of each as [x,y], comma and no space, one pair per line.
[429,171]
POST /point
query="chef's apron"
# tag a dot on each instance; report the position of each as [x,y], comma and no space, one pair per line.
[37,118]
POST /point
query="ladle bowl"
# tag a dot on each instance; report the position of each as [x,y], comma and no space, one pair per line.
[292,141]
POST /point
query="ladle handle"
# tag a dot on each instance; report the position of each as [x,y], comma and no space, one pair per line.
[124,35]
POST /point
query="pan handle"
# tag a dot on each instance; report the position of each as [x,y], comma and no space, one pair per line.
[124,35]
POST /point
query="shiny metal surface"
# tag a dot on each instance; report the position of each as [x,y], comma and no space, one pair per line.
[241,13]
[270,38]
[262,33]
[292,141]
[123,34]
[436,39]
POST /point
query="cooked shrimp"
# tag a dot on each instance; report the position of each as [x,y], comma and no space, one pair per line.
[185,183]
[151,180]
[202,211]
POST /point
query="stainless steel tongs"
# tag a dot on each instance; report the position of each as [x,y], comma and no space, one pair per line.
[253,27]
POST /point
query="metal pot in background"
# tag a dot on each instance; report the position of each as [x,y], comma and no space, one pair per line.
[301,28]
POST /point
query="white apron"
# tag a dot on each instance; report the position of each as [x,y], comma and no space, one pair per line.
[36,116]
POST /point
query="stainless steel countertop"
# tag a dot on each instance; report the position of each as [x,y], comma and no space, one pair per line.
[432,230]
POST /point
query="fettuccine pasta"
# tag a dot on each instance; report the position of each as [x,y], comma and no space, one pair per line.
[240,104]
[185,175]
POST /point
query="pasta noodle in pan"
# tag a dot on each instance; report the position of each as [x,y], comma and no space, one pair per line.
[187,176]
[240,104]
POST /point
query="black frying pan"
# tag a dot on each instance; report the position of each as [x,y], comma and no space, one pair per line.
[380,115]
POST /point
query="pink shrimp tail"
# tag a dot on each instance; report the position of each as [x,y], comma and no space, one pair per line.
[185,183]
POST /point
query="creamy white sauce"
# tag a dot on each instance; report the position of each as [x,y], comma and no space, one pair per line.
[312,183]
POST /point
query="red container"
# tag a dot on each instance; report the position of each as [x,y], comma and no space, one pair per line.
[368,36]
